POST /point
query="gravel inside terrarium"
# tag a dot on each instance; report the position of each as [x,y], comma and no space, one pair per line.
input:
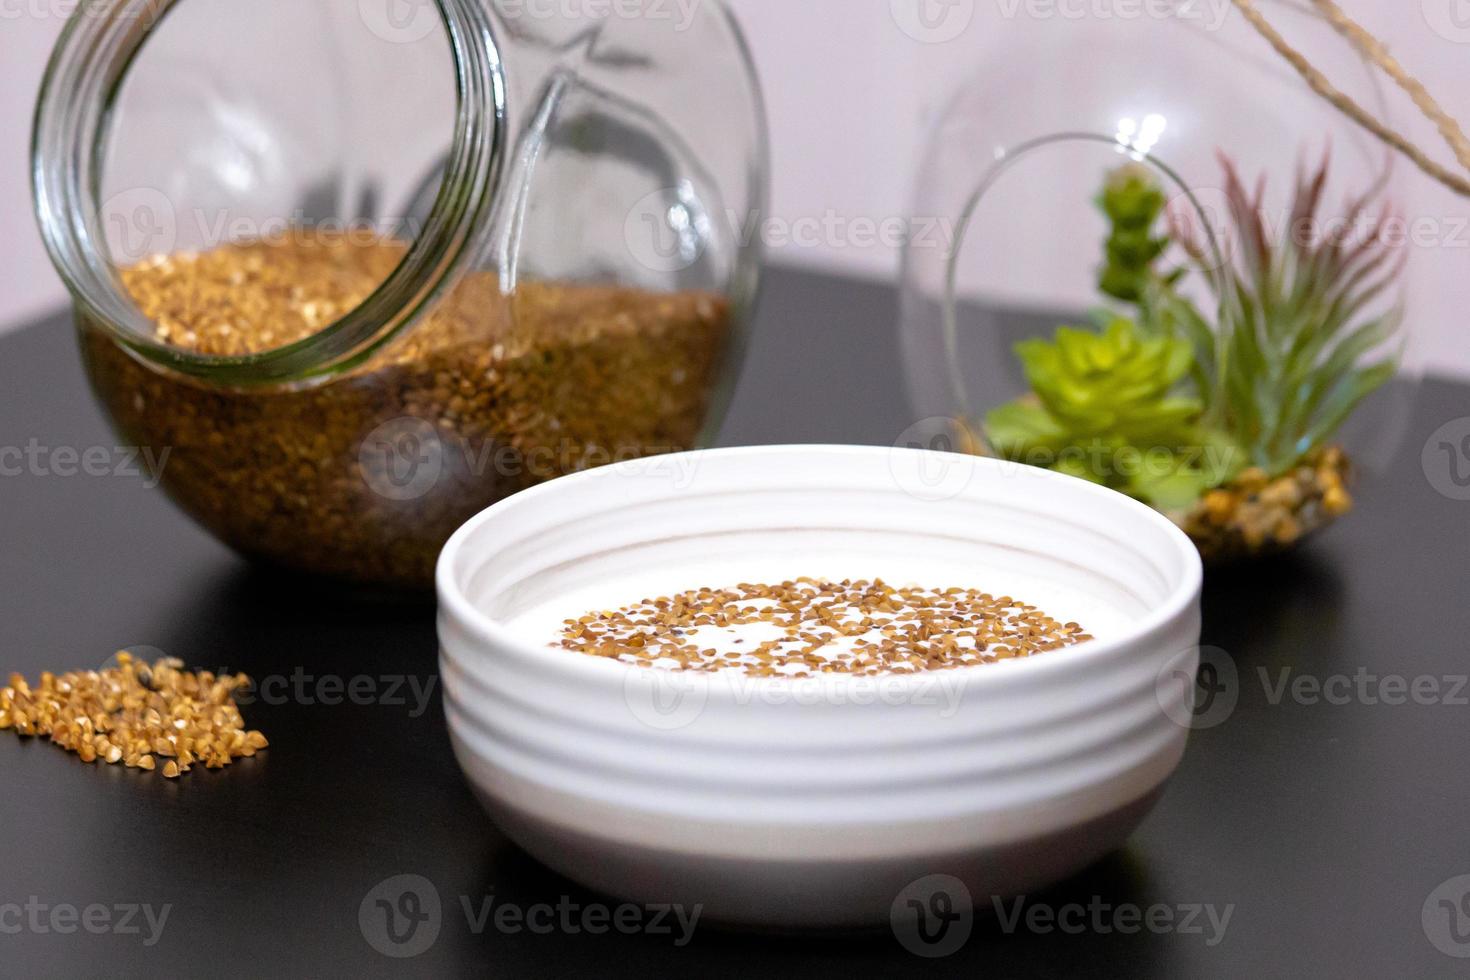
[1255,514]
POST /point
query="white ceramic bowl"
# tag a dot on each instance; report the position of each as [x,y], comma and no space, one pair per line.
[774,802]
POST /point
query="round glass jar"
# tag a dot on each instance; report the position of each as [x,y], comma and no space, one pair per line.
[1174,270]
[354,270]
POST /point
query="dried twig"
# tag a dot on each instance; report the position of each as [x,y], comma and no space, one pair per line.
[1372,49]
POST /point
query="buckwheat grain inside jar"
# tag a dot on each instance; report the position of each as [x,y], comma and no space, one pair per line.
[364,267]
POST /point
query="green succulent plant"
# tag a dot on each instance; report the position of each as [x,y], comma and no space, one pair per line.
[1106,405]
[1133,203]
[1302,322]
[1166,405]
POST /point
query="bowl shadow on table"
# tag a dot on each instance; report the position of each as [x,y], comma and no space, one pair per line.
[256,615]
[999,930]
[292,635]
[269,625]
[1275,609]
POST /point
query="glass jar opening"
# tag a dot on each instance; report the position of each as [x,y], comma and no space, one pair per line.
[325,163]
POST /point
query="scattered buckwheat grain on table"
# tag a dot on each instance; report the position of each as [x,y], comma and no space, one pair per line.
[135,714]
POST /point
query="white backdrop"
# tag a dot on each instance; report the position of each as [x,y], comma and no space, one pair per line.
[852,85]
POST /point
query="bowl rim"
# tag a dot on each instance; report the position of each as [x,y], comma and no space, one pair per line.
[489,633]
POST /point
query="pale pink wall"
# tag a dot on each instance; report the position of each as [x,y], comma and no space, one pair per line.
[850,91]
[851,95]
[27,283]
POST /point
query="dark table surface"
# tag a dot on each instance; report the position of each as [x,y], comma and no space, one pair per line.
[1329,828]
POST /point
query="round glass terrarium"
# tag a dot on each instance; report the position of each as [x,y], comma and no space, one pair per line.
[1173,270]
[354,270]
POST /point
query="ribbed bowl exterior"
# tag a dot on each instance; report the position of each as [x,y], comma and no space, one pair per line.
[814,802]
